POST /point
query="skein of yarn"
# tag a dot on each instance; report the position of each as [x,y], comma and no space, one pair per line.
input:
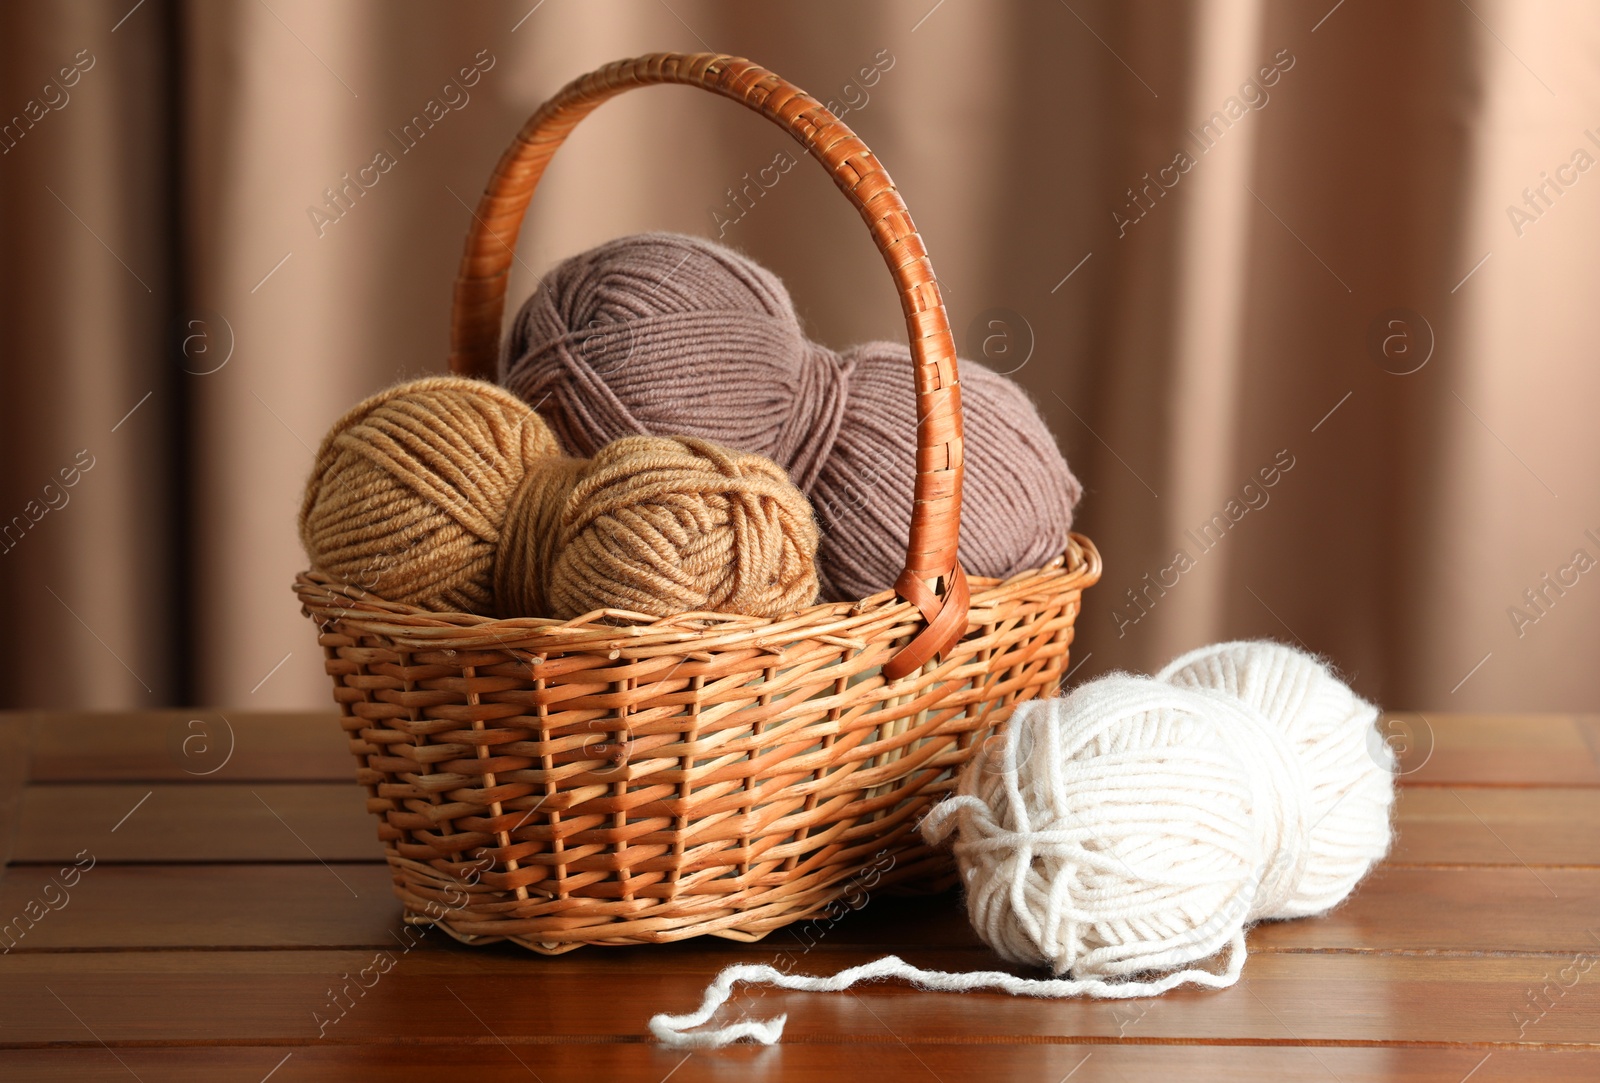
[451,494]
[1138,826]
[602,346]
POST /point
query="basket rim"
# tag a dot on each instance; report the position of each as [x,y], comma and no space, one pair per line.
[853,624]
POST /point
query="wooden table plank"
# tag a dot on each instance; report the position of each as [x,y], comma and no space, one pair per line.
[1407,909]
[251,997]
[486,1061]
[1462,825]
[1453,910]
[200,821]
[1494,750]
[185,907]
[197,821]
[177,745]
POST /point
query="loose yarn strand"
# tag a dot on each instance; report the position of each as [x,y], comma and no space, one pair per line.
[678,1031]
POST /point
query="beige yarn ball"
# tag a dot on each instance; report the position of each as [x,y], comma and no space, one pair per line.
[410,491]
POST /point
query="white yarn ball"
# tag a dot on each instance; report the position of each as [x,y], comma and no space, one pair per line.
[1140,825]
[1335,735]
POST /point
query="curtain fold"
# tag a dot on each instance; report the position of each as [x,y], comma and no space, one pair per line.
[89,586]
[1212,240]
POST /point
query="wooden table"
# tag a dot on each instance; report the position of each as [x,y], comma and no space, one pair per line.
[236,879]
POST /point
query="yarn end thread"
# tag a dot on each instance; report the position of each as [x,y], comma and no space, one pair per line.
[677,1031]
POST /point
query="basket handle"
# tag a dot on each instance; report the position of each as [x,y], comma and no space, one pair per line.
[932,580]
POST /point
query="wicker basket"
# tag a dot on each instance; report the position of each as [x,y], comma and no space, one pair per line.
[618,779]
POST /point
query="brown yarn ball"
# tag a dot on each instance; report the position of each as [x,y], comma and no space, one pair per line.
[452,495]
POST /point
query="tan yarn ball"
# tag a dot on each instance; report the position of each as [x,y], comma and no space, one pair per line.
[452,495]
[651,519]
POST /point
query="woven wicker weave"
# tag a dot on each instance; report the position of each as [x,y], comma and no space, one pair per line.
[618,779]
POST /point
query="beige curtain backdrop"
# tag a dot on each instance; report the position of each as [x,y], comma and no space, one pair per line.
[1207,219]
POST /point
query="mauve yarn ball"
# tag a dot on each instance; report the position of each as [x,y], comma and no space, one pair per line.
[666,334]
